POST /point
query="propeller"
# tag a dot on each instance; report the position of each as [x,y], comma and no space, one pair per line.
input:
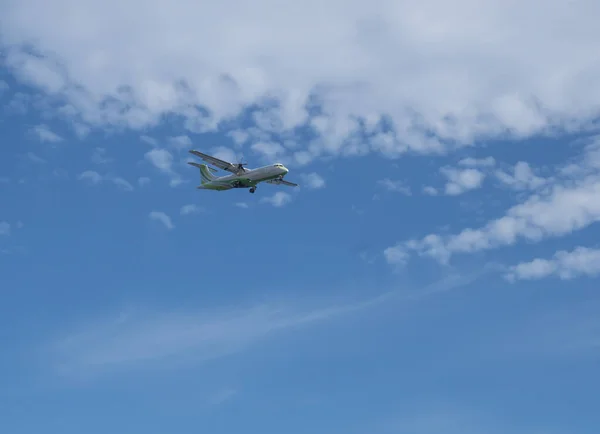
[241,164]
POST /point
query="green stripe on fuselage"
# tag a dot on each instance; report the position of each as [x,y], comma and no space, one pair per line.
[227,184]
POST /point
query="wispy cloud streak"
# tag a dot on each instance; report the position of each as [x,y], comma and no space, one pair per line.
[127,340]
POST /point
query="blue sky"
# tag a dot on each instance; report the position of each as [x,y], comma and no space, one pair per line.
[436,272]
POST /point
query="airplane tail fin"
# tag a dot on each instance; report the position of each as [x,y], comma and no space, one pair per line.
[205,173]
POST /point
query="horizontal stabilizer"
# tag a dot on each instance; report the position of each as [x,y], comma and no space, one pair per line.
[212,169]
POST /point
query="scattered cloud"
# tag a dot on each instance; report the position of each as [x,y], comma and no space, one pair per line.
[95,178]
[239,137]
[223,395]
[372,102]
[120,182]
[149,140]
[60,173]
[462,180]
[4,228]
[18,104]
[99,156]
[3,86]
[395,186]
[143,181]
[430,191]
[45,134]
[566,265]
[270,150]
[163,161]
[450,418]
[203,335]
[567,205]
[162,218]
[127,339]
[474,162]
[313,180]
[357,210]
[180,142]
[397,256]
[522,177]
[91,176]
[279,199]
[243,205]
[190,209]
[81,131]
[225,154]
[367,257]
[208,335]
[33,157]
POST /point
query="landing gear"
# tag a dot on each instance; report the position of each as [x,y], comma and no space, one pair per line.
[252,189]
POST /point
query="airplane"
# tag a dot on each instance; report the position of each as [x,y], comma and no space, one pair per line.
[241,177]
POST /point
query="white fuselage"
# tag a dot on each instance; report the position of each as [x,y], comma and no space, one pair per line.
[247,178]
[257,175]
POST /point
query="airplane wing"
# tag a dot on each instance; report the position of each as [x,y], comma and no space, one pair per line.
[282,181]
[218,163]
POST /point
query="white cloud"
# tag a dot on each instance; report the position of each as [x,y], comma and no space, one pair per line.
[162,218]
[190,209]
[567,205]
[279,199]
[474,162]
[222,396]
[95,178]
[429,190]
[18,104]
[34,70]
[45,134]
[239,137]
[200,335]
[143,180]
[451,417]
[99,156]
[396,186]
[33,157]
[3,86]
[270,150]
[396,256]
[180,142]
[243,205]
[477,70]
[461,181]
[313,180]
[80,130]
[163,161]
[92,176]
[120,182]
[225,154]
[204,335]
[4,228]
[60,173]
[522,178]
[149,140]
[566,265]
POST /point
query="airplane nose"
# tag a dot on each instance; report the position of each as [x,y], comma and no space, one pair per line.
[285,169]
